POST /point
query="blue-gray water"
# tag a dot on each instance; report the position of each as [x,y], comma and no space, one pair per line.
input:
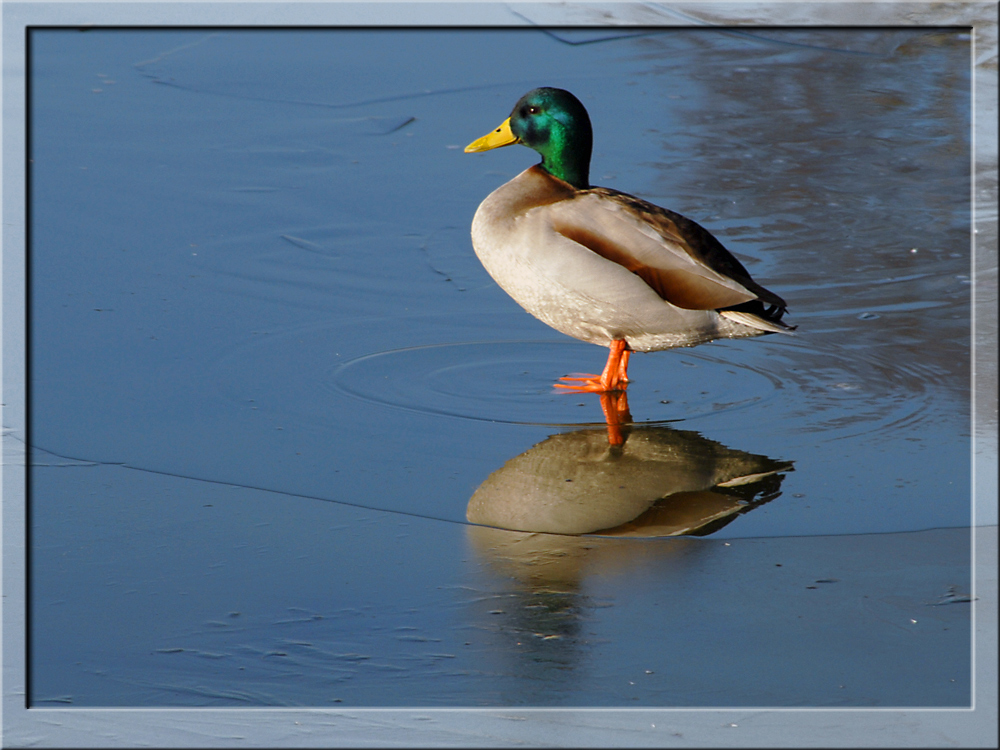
[268,376]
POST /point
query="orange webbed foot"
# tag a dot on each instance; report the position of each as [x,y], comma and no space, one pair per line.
[614,378]
[581,384]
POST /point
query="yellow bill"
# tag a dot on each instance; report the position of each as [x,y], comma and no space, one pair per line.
[502,136]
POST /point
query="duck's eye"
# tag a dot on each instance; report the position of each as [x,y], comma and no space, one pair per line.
[534,110]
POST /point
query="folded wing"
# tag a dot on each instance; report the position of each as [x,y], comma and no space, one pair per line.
[676,257]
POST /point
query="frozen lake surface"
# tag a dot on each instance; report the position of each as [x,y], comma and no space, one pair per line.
[285,428]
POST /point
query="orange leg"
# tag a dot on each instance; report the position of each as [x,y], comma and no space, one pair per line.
[614,377]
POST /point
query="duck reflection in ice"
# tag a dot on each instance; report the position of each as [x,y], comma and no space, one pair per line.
[626,480]
[563,511]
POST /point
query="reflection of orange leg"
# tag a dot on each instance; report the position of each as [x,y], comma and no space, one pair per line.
[614,377]
[616,413]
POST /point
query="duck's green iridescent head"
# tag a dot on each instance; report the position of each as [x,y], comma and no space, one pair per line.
[555,124]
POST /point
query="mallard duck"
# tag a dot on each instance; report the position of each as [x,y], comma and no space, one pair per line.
[601,265]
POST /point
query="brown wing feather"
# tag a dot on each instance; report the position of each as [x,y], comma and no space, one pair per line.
[678,287]
[699,244]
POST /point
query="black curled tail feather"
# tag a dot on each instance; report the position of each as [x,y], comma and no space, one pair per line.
[758,315]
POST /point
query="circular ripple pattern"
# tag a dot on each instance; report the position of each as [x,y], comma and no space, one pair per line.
[512,381]
[771,386]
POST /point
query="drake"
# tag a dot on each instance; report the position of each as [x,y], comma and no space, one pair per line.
[601,265]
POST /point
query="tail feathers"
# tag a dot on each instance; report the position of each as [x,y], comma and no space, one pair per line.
[754,478]
[771,325]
